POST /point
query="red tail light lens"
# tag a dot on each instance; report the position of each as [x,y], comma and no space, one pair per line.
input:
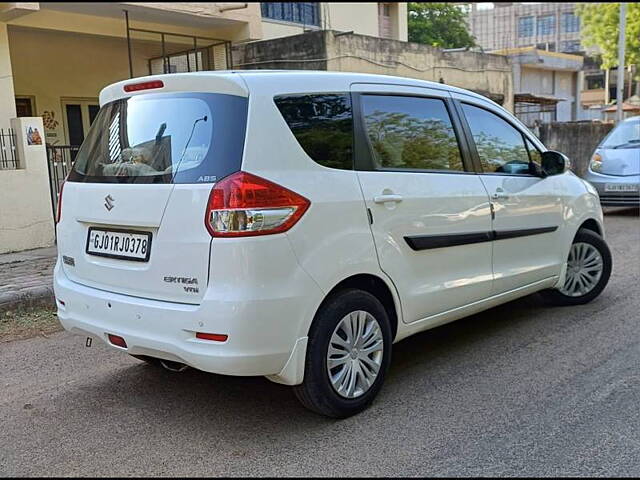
[59,209]
[214,337]
[243,205]
[117,341]
[134,87]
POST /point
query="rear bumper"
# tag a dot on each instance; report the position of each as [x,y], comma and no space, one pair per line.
[614,199]
[261,332]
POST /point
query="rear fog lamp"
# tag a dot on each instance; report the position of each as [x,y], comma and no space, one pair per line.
[117,341]
[215,337]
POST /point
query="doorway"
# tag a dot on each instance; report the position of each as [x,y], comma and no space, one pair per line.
[25,106]
[78,114]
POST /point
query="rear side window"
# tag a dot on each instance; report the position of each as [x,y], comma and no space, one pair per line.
[323,126]
[410,133]
[164,138]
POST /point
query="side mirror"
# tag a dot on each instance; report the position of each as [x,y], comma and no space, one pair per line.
[554,163]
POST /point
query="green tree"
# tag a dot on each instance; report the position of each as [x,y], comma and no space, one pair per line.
[600,28]
[439,24]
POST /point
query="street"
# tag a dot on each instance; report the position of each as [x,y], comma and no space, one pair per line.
[523,389]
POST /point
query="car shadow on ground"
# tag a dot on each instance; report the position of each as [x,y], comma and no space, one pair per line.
[243,402]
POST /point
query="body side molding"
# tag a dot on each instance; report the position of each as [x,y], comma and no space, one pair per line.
[426,242]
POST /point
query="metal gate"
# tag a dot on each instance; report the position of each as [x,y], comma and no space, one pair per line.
[60,158]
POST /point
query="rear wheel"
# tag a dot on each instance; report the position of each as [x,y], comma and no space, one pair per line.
[348,354]
[588,270]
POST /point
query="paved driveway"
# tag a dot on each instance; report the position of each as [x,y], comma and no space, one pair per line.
[521,389]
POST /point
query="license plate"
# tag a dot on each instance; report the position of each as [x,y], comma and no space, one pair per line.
[122,244]
[620,187]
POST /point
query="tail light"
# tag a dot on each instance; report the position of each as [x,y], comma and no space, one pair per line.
[59,208]
[243,205]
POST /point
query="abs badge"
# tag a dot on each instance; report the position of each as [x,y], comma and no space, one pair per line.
[108,202]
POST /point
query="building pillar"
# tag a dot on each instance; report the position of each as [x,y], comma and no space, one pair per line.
[517,75]
[400,22]
[7,94]
[577,111]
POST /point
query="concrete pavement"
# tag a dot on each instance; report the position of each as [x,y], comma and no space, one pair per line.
[523,389]
[26,277]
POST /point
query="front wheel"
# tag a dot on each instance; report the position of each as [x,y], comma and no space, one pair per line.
[588,270]
[348,354]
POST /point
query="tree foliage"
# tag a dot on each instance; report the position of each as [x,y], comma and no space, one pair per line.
[439,24]
[401,140]
[600,28]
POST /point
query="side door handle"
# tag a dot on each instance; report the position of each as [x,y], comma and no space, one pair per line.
[389,197]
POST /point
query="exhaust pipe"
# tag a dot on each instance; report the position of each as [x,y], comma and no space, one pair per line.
[175,367]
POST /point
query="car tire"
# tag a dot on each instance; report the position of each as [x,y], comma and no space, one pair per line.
[339,313]
[595,241]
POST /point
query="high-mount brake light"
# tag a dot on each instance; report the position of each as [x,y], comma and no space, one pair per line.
[135,87]
[244,205]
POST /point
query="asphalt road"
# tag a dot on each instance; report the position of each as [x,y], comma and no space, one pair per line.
[522,389]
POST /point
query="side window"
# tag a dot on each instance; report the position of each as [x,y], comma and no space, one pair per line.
[323,126]
[500,145]
[410,133]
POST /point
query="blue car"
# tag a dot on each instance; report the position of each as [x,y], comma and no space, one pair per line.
[614,169]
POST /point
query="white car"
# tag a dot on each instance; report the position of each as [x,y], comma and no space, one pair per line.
[296,224]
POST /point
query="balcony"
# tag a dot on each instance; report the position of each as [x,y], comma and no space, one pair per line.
[592,97]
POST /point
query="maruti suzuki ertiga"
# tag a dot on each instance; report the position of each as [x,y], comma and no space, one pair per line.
[296,224]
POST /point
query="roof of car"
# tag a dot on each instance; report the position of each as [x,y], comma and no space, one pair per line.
[239,82]
[632,119]
[353,77]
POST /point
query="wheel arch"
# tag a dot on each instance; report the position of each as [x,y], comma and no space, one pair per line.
[593,225]
[377,287]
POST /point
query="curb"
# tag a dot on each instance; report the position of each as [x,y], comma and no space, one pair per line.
[33,297]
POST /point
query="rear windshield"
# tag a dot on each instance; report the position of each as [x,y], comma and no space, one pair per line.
[164,138]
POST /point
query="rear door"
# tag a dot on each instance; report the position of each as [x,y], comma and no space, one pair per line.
[430,212]
[133,206]
[528,221]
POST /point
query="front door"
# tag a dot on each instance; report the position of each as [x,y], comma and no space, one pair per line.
[79,114]
[528,208]
[430,214]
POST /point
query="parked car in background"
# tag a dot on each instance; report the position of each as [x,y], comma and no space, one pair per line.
[614,169]
[296,224]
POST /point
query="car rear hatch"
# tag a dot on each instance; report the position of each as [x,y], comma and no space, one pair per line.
[133,206]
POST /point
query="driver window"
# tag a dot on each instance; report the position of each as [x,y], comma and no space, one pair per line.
[500,146]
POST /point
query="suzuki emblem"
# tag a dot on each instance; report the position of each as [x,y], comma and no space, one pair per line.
[108,202]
